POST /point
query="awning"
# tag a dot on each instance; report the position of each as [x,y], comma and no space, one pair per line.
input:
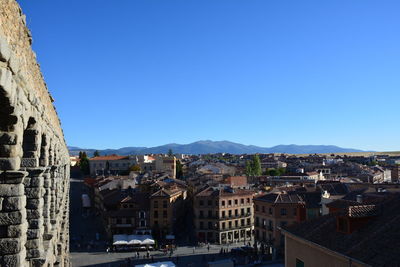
[133,240]
[158,264]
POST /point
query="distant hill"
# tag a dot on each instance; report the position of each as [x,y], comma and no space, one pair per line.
[209,147]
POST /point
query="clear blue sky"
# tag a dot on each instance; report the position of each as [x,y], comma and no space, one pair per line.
[146,73]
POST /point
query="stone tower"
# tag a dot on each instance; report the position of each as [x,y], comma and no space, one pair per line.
[34,160]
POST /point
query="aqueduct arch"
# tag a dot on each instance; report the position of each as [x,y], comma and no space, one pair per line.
[34,160]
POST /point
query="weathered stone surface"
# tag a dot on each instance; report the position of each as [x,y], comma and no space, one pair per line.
[34,192]
[10,218]
[35,223]
[8,138]
[15,259]
[10,190]
[14,203]
[30,136]
[5,51]
[10,245]
[17,230]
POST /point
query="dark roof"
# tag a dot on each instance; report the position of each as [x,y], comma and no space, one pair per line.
[377,243]
[214,192]
[335,188]
[282,197]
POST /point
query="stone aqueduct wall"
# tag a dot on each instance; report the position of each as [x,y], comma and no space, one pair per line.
[34,161]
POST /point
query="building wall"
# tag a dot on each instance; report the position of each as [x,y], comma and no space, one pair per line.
[313,256]
[266,223]
[221,226]
[34,160]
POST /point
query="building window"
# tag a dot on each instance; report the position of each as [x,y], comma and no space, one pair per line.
[142,215]
[295,212]
[223,214]
[164,204]
[299,263]
[236,212]
[229,202]
[201,203]
[155,214]
[248,221]
[201,225]
[119,221]
[230,213]
[257,221]
[242,222]
[242,201]
[223,226]
[236,223]
[201,214]
[283,211]
[209,203]
[263,209]
[242,211]
[248,200]
[236,202]
[283,223]
[142,223]
[223,203]
[256,207]
[210,225]
[210,214]
[270,211]
[248,211]
[128,220]
[216,203]
[155,204]
[165,214]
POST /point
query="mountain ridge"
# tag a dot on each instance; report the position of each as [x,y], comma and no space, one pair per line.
[209,147]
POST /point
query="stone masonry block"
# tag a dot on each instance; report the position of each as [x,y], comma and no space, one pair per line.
[14,203]
[10,190]
[34,192]
[12,177]
[35,223]
[30,162]
[33,214]
[5,51]
[9,163]
[15,260]
[35,203]
[37,182]
[14,64]
[14,217]
[8,138]
[18,230]
[10,245]
[6,82]
[34,233]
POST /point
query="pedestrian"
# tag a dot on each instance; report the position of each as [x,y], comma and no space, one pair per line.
[193,249]
[208,247]
[148,254]
[138,254]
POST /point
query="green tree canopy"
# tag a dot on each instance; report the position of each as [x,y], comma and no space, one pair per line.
[96,153]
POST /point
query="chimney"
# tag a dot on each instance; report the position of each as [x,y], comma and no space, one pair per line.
[360,199]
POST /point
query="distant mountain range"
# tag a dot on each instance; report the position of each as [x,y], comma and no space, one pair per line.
[209,147]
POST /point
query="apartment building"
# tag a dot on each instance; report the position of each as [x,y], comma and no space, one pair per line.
[223,215]
[112,164]
[275,210]
[164,206]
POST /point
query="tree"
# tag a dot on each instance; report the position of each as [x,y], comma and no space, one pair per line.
[249,171]
[179,170]
[170,153]
[135,168]
[96,153]
[253,167]
[84,163]
[256,165]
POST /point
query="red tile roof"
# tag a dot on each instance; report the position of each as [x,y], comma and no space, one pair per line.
[110,157]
